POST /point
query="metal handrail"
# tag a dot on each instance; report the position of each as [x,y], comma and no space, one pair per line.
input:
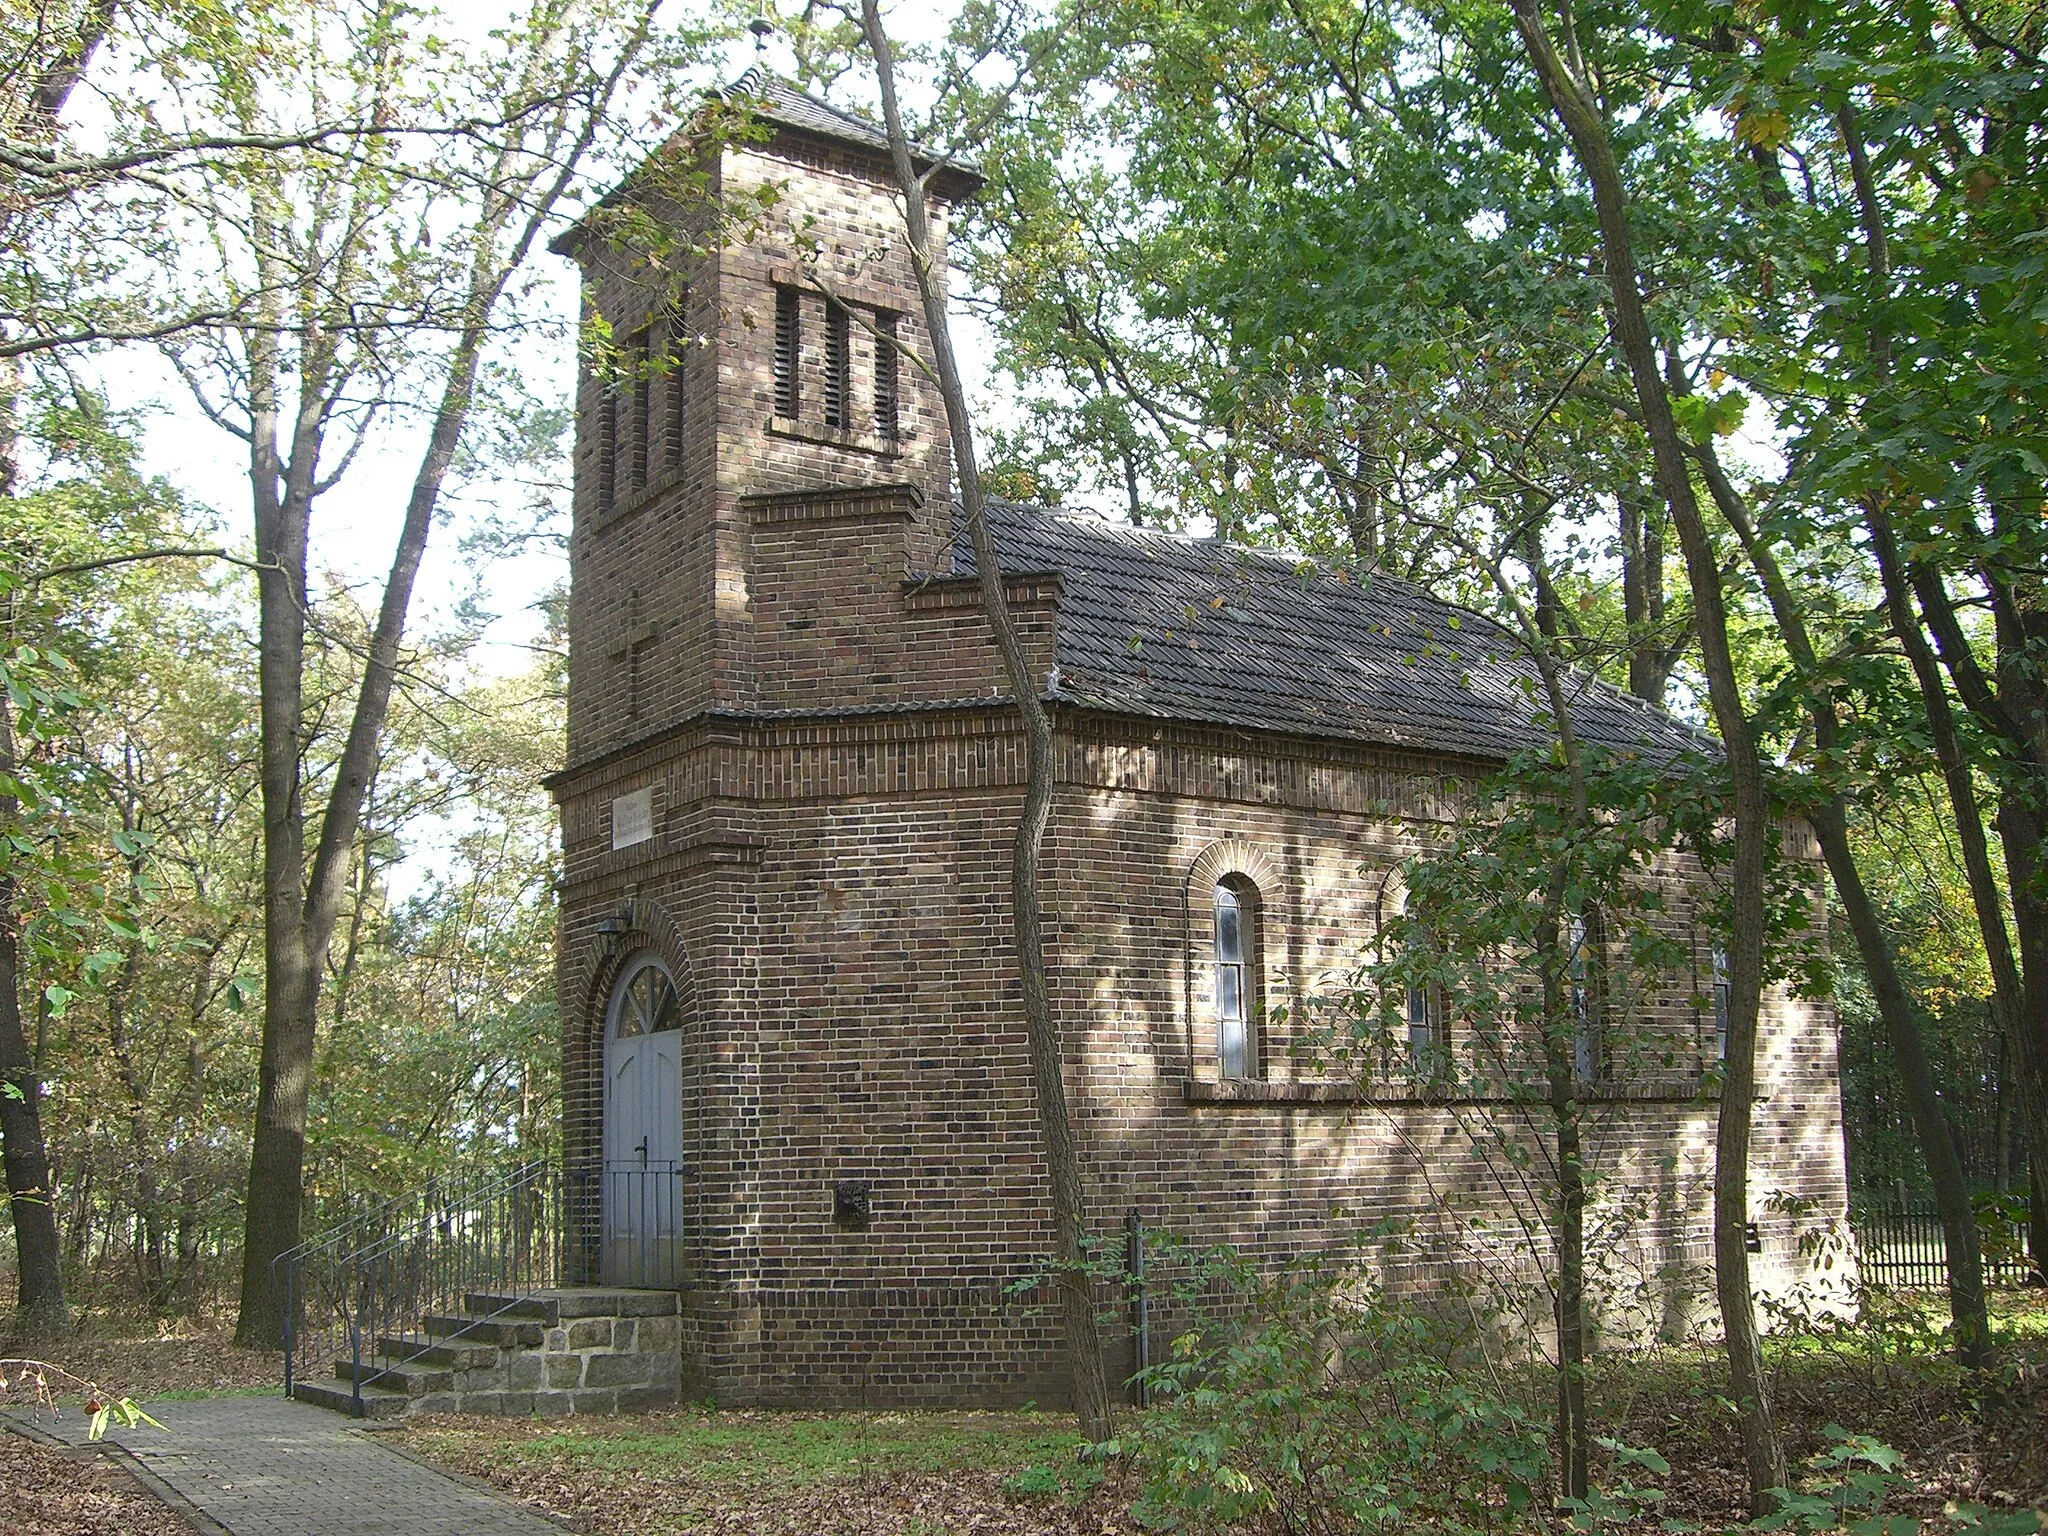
[407,1257]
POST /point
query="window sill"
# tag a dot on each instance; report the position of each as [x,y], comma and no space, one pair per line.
[1677,1089]
[835,437]
[628,501]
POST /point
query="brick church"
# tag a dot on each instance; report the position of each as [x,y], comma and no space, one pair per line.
[795,1074]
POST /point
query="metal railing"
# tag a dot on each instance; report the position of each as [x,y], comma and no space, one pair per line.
[383,1272]
[1904,1248]
[633,1211]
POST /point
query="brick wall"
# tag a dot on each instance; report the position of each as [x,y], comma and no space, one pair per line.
[854,1016]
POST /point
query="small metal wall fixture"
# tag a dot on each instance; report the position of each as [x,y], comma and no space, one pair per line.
[853,1204]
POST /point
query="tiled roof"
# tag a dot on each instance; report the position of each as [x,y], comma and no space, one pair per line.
[1191,629]
[777,101]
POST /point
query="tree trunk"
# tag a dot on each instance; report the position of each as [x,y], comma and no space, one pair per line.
[1763,1449]
[1961,1241]
[2019,833]
[2016,715]
[302,900]
[1048,1076]
[1560,1068]
[1966,1299]
[1539,626]
[39,1300]
[281,491]
[1642,595]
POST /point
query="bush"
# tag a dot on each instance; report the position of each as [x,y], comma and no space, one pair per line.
[1327,1410]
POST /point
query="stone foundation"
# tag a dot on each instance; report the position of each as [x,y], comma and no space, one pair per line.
[551,1354]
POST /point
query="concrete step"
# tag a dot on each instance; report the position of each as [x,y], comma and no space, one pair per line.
[412,1380]
[377,1404]
[504,1332]
[427,1349]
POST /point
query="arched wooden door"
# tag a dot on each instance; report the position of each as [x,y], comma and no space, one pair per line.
[643,1130]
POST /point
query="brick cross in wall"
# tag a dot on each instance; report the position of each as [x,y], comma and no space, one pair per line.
[640,634]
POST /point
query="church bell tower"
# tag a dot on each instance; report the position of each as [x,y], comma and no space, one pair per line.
[760,326]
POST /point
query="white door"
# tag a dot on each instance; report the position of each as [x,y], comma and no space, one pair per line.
[643,1131]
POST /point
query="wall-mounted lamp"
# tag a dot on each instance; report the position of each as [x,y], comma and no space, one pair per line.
[1752,1239]
[617,923]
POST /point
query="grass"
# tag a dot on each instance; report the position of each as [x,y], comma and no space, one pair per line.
[770,1449]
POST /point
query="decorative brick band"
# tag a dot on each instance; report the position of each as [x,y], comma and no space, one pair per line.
[853,291]
[1021,589]
[834,503]
[835,437]
[1678,1089]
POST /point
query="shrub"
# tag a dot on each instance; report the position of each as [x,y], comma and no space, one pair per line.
[1326,1409]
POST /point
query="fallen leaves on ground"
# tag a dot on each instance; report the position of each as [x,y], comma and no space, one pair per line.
[745,1473]
[525,1459]
[1962,1443]
[173,1365]
[48,1492]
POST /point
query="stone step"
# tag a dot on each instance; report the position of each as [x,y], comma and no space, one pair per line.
[552,1307]
[488,1306]
[504,1332]
[377,1404]
[428,1349]
[412,1380]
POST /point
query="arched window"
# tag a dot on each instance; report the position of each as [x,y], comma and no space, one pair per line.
[1428,1035]
[1428,1043]
[1237,976]
[1589,1045]
[1722,990]
[645,1001]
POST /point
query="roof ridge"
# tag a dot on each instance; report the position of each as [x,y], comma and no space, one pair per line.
[760,80]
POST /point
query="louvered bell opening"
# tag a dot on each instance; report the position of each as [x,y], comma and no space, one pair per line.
[643,402]
[608,448]
[887,396]
[788,343]
[672,387]
[838,364]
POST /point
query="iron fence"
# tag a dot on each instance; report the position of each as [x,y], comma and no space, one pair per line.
[352,1296]
[1904,1248]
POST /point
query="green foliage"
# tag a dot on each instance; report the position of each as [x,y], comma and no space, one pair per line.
[135,854]
[1469,925]
[43,1382]
[1625,1502]
[1848,1484]
[1071,1482]
[1330,1406]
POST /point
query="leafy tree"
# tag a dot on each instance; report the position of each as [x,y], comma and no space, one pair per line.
[352,284]
[63,526]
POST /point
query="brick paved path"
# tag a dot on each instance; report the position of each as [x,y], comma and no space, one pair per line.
[266,1466]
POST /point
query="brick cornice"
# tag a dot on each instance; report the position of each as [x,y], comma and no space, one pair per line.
[771,728]
[1093,748]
